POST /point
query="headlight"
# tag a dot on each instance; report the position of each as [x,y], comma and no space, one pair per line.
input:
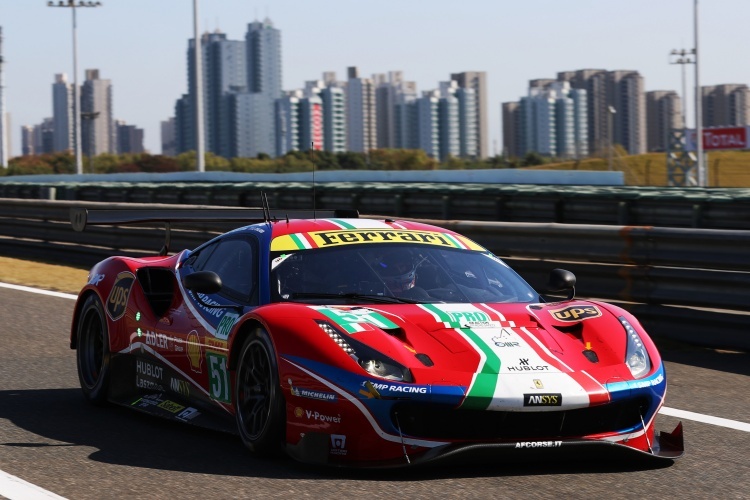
[369,359]
[636,356]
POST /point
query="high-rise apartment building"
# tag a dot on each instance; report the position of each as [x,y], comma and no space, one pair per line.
[97,125]
[477,80]
[726,105]
[427,123]
[395,118]
[168,138]
[510,117]
[129,138]
[551,120]
[607,91]
[287,123]
[663,114]
[360,112]
[62,113]
[466,122]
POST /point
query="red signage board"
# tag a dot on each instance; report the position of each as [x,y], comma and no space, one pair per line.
[716,138]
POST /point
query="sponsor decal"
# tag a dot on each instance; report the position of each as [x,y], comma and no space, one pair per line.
[542,399]
[499,342]
[310,394]
[179,386]
[225,325]
[146,401]
[462,316]
[218,377]
[117,301]
[338,444]
[212,311]
[170,406]
[525,366]
[575,313]
[95,279]
[148,369]
[316,416]
[640,384]
[356,319]
[539,444]
[212,343]
[149,385]
[278,260]
[538,384]
[158,340]
[194,352]
[323,239]
[401,389]
[188,413]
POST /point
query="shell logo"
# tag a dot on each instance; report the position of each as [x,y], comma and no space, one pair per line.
[194,352]
[298,412]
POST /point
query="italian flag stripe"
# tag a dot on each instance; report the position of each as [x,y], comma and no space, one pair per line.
[299,241]
[343,224]
[454,241]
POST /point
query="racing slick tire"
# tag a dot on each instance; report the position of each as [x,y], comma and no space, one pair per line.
[258,401]
[92,352]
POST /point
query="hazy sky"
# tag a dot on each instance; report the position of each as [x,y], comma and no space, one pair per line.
[140,45]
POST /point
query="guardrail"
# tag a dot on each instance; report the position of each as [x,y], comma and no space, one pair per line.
[655,272]
[715,208]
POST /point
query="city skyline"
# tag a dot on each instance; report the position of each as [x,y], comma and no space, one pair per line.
[148,69]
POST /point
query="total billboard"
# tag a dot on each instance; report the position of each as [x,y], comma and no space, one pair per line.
[720,138]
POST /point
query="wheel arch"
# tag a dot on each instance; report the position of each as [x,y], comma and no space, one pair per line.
[82,298]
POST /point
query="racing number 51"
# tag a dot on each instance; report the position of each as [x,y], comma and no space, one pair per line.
[218,376]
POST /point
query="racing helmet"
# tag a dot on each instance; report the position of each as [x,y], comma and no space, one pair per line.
[397,270]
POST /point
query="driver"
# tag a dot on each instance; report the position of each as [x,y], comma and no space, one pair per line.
[398,271]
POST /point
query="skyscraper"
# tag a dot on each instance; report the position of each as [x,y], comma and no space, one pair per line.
[360,112]
[263,80]
[726,105]
[62,113]
[663,113]
[98,131]
[477,80]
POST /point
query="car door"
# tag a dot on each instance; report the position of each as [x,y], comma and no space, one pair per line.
[203,324]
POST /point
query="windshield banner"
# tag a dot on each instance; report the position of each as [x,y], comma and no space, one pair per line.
[324,239]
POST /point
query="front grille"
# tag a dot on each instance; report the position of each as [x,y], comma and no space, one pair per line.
[440,422]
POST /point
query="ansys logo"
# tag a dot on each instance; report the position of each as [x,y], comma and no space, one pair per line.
[575,313]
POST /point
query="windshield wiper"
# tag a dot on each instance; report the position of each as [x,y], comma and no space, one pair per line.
[381,299]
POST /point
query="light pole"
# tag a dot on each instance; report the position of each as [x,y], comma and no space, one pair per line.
[610,125]
[683,59]
[702,177]
[198,49]
[76,95]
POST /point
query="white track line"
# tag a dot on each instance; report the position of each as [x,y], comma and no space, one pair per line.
[37,290]
[13,488]
[706,419]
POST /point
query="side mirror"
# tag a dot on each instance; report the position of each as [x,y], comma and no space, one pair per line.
[207,282]
[561,280]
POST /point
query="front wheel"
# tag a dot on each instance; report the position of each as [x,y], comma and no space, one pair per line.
[92,353]
[258,402]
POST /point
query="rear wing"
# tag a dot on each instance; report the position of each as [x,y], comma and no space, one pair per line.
[80,218]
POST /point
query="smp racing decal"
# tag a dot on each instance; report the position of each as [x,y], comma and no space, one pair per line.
[323,239]
[575,313]
[356,319]
[118,297]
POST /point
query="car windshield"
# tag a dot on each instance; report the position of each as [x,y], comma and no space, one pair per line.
[395,273]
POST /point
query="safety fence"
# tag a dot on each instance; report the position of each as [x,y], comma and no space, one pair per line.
[689,284]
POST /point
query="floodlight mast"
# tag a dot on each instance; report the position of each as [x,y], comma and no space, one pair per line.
[76,91]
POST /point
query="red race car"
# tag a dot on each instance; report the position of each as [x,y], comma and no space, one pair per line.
[358,342]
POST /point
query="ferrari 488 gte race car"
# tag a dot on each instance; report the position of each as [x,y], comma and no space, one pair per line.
[358,342]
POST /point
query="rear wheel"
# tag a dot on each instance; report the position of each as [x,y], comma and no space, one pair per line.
[258,402]
[92,353]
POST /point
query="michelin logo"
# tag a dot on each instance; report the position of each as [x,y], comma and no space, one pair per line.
[310,394]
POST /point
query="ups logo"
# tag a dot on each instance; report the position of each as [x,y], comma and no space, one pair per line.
[117,301]
[575,313]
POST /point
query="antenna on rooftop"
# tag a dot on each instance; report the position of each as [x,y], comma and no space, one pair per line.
[312,159]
